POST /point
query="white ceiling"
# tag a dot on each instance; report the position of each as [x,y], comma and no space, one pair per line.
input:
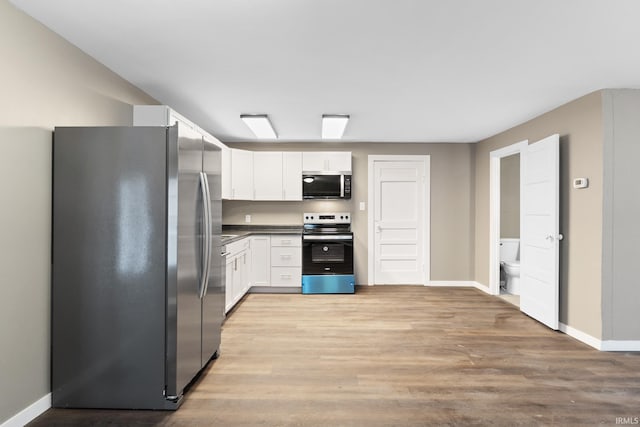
[405,70]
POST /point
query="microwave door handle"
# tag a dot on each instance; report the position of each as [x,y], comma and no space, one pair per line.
[341,186]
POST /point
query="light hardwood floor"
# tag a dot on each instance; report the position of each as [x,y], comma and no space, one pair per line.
[393,356]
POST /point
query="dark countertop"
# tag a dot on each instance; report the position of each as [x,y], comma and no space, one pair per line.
[231,233]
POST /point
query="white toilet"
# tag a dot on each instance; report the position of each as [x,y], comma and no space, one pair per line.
[510,264]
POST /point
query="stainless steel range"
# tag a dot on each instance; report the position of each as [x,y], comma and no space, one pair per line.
[327,254]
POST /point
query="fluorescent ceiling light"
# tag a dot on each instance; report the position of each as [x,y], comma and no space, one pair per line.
[333,125]
[259,125]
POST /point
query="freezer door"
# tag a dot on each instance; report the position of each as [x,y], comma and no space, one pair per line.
[213,301]
[108,268]
[185,257]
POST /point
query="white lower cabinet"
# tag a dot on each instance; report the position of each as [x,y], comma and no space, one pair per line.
[228,286]
[261,260]
[286,276]
[286,260]
[238,271]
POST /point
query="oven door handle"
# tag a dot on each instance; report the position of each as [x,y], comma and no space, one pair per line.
[325,238]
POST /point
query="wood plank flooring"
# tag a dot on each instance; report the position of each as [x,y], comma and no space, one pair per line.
[393,356]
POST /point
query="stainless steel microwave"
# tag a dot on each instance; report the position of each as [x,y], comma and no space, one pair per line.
[326,186]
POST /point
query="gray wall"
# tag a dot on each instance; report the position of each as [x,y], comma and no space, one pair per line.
[510,196]
[579,124]
[451,203]
[45,82]
[621,222]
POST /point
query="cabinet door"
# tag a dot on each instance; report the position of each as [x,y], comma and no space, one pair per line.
[292,176]
[339,161]
[327,161]
[314,161]
[267,175]
[260,260]
[229,294]
[246,272]
[226,173]
[241,174]
[238,279]
[225,164]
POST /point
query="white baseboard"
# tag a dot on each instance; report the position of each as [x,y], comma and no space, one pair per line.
[598,344]
[620,345]
[459,284]
[482,287]
[454,283]
[29,413]
[580,336]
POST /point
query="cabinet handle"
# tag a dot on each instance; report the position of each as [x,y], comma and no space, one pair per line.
[285,256]
[235,264]
[285,276]
[244,259]
[286,241]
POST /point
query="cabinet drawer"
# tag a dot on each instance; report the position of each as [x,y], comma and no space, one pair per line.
[286,276]
[286,240]
[286,257]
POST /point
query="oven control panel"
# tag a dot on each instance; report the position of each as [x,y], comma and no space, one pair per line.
[326,218]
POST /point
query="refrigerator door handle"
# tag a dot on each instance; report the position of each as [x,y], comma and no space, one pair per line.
[209,238]
[206,232]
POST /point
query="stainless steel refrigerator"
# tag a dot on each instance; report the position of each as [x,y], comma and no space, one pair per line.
[137,287]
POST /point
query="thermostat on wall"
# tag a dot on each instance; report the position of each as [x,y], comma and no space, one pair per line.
[581,183]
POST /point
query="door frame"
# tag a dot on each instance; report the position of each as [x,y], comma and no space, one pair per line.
[494,208]
[426,235]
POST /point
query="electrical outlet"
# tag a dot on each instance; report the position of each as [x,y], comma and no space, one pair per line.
[247,218]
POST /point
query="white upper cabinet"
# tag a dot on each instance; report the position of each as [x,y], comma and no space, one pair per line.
[158,115]
[326,161]
[226,173]
[241,174]
[277,175]
[162,115]
[225,165]
[267,175]
[292,176]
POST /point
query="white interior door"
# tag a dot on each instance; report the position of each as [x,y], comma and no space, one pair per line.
[400,221]
[540,234]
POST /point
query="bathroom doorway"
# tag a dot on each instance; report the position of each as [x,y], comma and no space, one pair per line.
[510,228]
[505,220]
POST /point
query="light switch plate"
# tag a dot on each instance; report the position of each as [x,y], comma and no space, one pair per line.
[362,206]
[247,218]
